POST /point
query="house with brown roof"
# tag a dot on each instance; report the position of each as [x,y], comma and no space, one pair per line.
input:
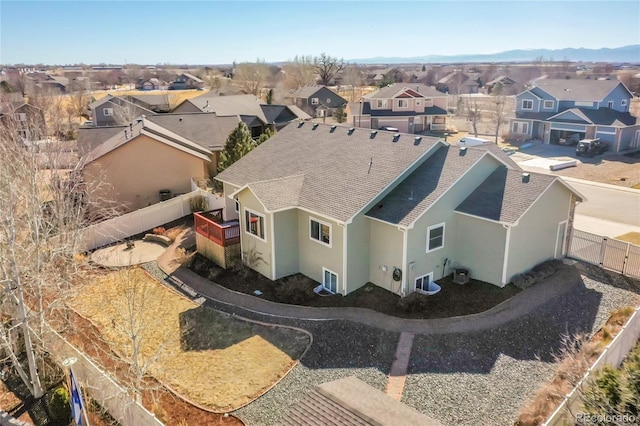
[347,206]
[409,108]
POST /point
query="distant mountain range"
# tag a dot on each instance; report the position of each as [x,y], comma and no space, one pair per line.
[619,54]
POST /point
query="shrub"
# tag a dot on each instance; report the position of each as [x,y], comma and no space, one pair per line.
[296,290]
[173,232]
[198,203]
[183,257]
[414,302]
[59,406]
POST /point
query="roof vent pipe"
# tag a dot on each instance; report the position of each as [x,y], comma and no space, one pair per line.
[525,177]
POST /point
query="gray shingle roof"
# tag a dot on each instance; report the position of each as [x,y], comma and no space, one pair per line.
[148,128]
[306,91]
[91,137]
[229,105]
[393,89]
[205,129]
[426,184]
[351,402]
[504,196]
[367,110]
[601,116]
[343,170]
[192,77]
[577,90]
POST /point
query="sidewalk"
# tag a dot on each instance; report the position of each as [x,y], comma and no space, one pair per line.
[516,307]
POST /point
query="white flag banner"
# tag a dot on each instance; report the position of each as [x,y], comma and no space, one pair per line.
[77,403]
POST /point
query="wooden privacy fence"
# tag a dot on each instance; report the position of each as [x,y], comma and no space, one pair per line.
[612,254]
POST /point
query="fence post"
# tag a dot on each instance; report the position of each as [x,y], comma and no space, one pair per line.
[603,250]
[626,258]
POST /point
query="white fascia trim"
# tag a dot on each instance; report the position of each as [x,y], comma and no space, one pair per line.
[405,264]
[421,158]
[273,247]
[344,260]
[311,212]
[505,260]
[177,146]
[517,222]
[233,194]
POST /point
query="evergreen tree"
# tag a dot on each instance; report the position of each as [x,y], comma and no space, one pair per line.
[340,115]
[265,135]
[238,144]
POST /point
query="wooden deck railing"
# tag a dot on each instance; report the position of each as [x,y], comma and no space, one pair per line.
[223,234]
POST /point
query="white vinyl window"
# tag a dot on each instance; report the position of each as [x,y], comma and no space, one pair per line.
[329,280]
[623,102]
[382,103]
[315,101]
[402,103]
[107,112]
[527,104]
[514,127]
[525,128]
[422,283]
[21,116]
[254,223]
[236,206]
[435,237]
[320,231]
[548,105]
[610,104]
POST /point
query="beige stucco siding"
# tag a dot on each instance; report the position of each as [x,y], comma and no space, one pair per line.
[385,250]
[252,246]
[419,262]
[479,247]
[313,255]
[534,239]
[132,174]
[229,204]
[286,242]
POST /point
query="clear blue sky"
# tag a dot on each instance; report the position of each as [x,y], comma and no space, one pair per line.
[215,32]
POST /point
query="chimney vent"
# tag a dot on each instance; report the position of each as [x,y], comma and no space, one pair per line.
[463,150]
[315,126]
[333,128]
[525,177]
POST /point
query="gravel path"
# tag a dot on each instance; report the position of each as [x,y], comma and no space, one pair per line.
[467,378]
[458,378]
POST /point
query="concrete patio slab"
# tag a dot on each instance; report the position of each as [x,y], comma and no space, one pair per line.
[119,255]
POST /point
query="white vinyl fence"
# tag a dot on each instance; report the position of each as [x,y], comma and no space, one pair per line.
[121,227]
[612,254]
[613,355]
[100,386]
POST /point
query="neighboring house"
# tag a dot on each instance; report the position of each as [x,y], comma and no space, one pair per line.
[26,120]
[134,167]
[317,100]
[155,103]
[509,86]
[555,111]
[113,110]
[257,115]
[347,206]
[459,83]
[149,84]
[186,81]
[352,402]
[411,108]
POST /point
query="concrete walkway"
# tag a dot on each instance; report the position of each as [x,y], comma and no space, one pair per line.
[519,305]
[398,373]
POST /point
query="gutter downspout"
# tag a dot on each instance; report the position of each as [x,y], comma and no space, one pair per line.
[505,260]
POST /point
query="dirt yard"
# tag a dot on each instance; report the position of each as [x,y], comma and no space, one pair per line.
[619,170]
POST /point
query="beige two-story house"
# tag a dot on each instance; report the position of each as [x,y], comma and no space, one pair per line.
[409,108]
[347,206]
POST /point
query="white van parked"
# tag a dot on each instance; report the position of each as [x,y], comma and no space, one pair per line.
[471,141]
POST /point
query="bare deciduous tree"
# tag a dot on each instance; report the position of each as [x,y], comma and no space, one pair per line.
[42,215]
[327,67]
[252,76]
[299,72]
[474,114]
[353,78]
[500,113]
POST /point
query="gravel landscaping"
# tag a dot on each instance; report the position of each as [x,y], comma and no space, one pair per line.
[463,378]
[487,376]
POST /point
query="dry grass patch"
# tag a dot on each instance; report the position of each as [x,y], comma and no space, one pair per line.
[211,359]
[630,237]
